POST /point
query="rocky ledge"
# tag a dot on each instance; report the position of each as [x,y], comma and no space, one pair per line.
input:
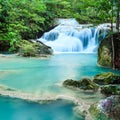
[34,49]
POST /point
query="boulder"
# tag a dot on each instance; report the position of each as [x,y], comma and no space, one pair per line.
[71,83]
[107,109]
[84,84]
[34,49]
[106,78]
[109,90]
[87,84]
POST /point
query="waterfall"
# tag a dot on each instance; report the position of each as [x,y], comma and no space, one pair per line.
[70,36]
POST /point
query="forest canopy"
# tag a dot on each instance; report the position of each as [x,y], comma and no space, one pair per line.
[28,19]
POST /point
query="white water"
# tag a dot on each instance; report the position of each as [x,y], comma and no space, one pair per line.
[70,36]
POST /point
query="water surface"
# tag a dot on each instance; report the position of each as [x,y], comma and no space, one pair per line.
[43,76]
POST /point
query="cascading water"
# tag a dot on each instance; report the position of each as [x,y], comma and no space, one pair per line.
[70,36]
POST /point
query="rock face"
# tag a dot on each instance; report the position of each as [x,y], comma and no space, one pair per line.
[34,49]
[85,84]
[107,109]
[107,78]
[106,57]
[105,53]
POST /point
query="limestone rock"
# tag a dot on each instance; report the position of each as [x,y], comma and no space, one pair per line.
[108,90]
[71,83]
[106,57]
[107,78]
[107,109]
[84,84]
[105,53]
[34,49]
[87,84]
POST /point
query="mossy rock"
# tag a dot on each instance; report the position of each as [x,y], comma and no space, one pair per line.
[87,84]
[33,49]
[97,113]
[106,57]
[84,84]
[109,90]
[107,78]
[71,83]
[106,109]
[105,53]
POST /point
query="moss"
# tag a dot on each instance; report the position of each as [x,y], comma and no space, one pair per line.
[109,90]
[33,49]
[107,78]
[97,113]
[105,53]
[71,83]
[85,84]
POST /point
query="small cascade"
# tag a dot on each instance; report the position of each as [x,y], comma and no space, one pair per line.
[70,36]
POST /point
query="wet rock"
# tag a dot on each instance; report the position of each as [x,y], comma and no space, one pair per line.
[107,109]
[109,90]
[107,78]
[84,84]
[87,84]
[71,83]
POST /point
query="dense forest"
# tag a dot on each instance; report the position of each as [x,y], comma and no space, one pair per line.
[28,19]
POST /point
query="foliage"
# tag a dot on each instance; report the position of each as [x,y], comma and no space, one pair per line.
[28,19]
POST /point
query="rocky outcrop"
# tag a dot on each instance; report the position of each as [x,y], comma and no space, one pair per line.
[107,109]
[71,83]
[107,78]
[84,84]
[105,53]
[106,57]
[34,49]
[87,84]
[109,90]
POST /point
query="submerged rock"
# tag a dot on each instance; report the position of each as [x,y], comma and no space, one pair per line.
[107,109]
[107,78]
[85,84]
[34,49]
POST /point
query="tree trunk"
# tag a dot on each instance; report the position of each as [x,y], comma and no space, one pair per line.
[112,38]
[118,15]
